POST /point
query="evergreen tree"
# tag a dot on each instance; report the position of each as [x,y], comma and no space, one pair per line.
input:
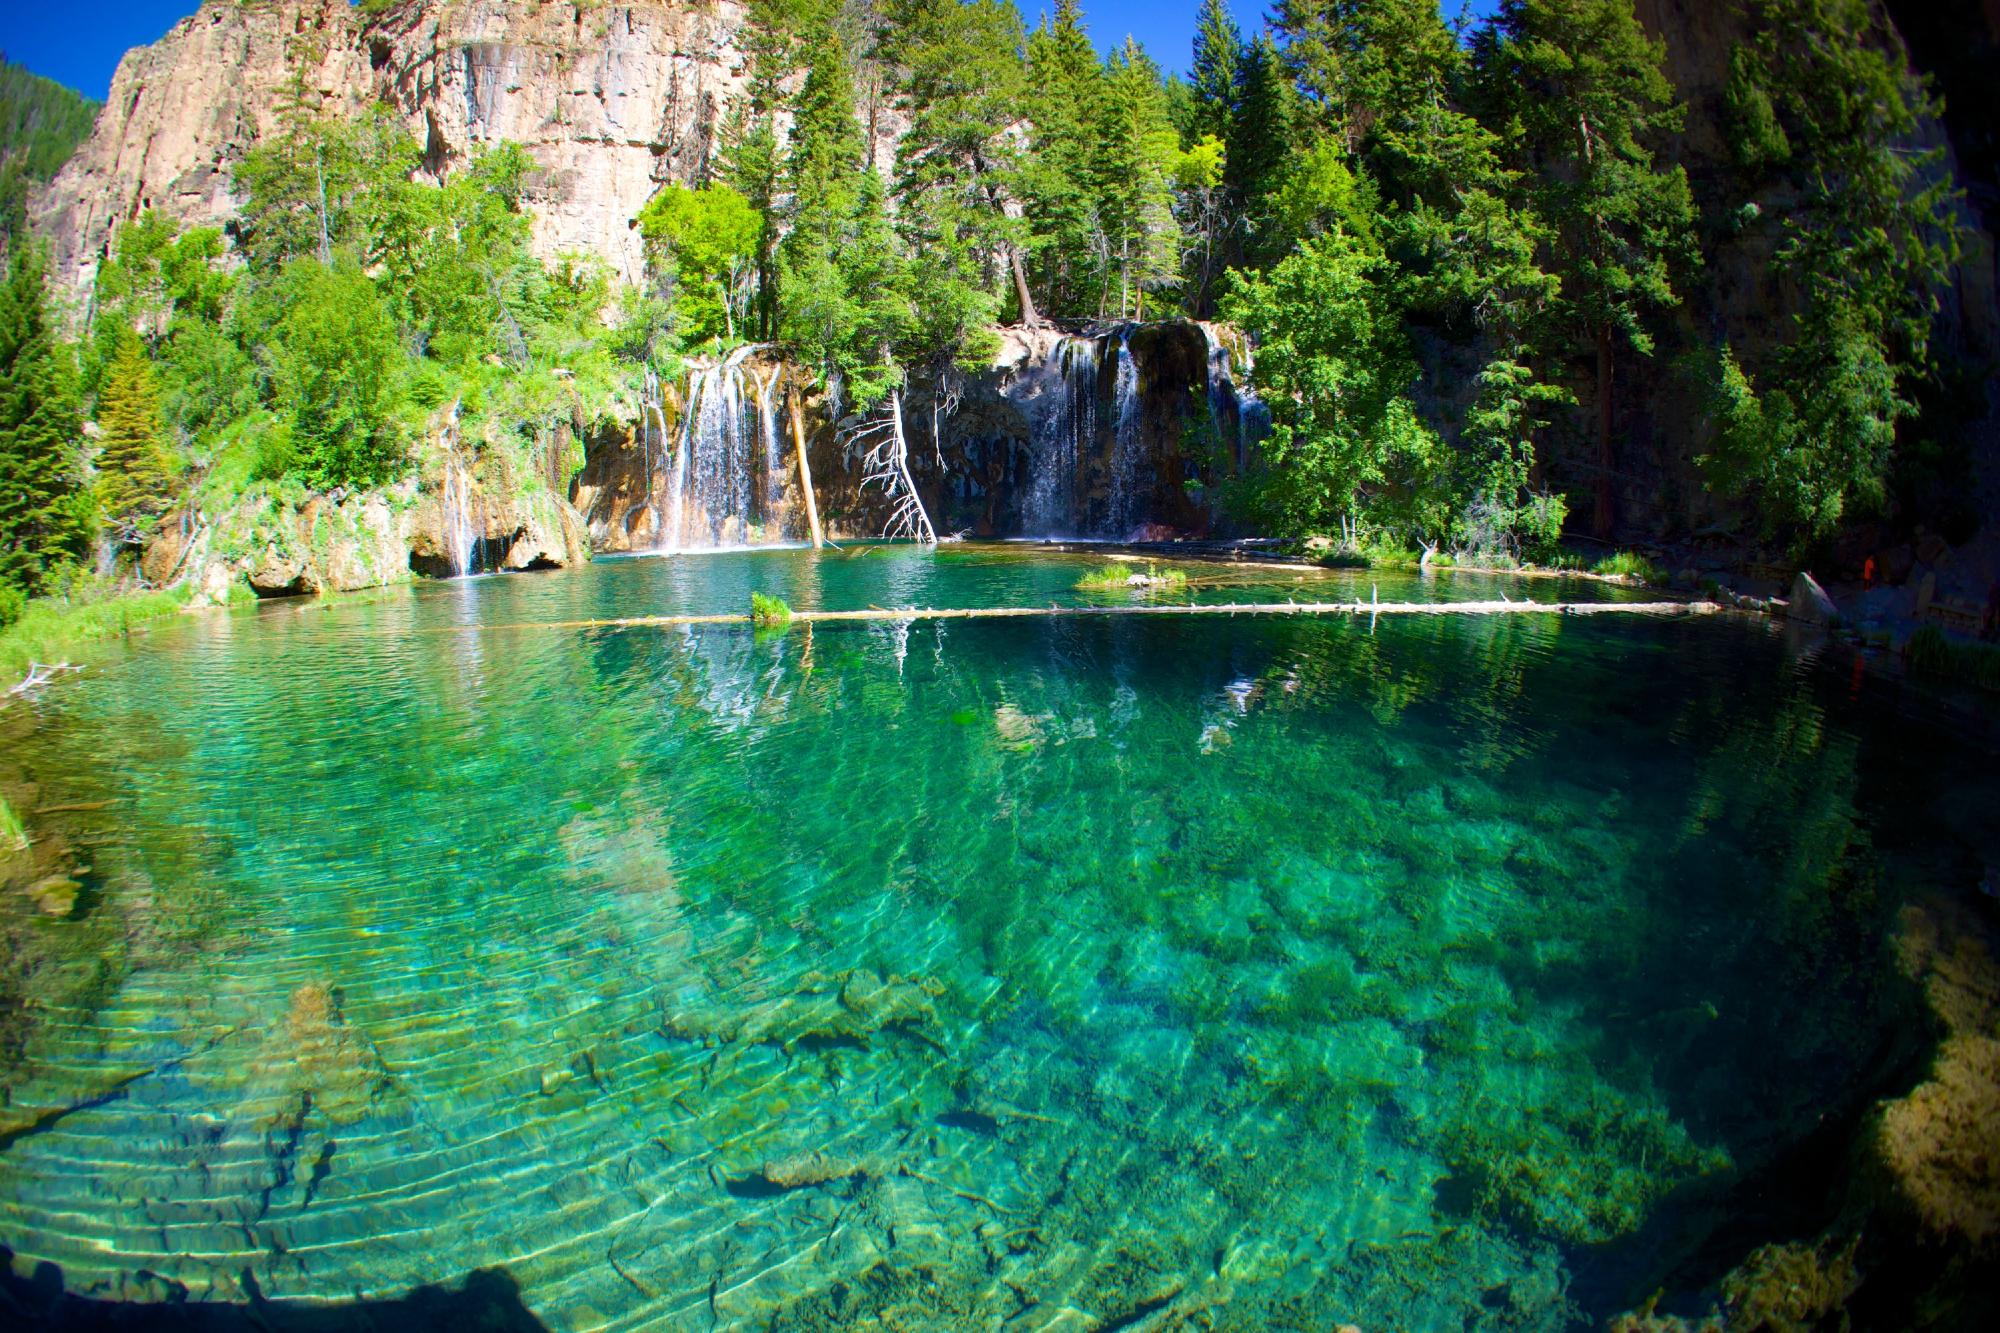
[960,85]
[1584,91]
[1059,191]
[841,298]
[1262,143]
[1137,149]
[1216,70]
[134,466]
[45,518]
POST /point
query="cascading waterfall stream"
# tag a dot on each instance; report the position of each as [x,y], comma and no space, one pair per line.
[455,503]
[1231,395]
[774,454]
[1063,430]
[1128,456]
[712,499]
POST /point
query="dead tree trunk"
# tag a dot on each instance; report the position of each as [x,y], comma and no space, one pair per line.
[887,464]
[806,474]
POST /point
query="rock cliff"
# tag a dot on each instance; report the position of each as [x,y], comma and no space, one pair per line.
[610,100]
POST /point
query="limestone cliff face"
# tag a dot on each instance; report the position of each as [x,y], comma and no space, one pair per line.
[611,101]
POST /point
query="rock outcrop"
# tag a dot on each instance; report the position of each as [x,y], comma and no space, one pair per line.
[278,545]
[611,101]
[1024,448]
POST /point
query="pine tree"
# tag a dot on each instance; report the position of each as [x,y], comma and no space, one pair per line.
[1262,141]
[1137,147]
[841,300]
[1065,92]
[960,85]
[134,466]
[1586,91]
[45,518]
[1216,70]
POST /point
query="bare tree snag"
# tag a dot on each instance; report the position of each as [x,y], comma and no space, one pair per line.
[806,474]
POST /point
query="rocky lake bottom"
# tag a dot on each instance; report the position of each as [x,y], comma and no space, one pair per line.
[1436,973]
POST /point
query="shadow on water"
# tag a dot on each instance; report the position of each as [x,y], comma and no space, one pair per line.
[487,1300]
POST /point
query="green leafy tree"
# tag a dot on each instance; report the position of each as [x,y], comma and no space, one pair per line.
[1824,115]
[318,187]
[135,469]
[45,516]
[335,367]
[1201,204]
[710,236]
[1585,94]
[1335,370]
[450,256]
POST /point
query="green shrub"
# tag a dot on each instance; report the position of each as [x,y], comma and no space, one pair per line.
[769,612]
[12,603]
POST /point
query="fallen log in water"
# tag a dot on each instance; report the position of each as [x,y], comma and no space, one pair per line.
[1355,608]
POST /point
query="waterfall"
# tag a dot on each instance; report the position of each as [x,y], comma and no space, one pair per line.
[774,455]
[461,542]
[711,492]
[1232,396]
[1063,426]
[1128,455]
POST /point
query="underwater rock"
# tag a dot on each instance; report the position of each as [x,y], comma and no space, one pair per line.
[314,1052]
[846,1008]
[812,1168]
[1937,1144]
[55,895]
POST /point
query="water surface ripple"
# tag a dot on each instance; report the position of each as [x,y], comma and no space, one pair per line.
[957,974]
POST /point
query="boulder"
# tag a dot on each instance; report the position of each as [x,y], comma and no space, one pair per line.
[1810,605]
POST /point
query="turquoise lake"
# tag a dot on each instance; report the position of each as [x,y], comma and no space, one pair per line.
[1441,973]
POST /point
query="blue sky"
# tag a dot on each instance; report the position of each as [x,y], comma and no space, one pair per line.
[81,48]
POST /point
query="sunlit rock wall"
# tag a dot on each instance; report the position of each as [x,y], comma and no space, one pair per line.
[611,101]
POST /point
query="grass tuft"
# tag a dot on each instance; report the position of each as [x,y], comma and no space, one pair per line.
[50,627]
[1632,567]
[1932,652]
[1117,578]
[769,612]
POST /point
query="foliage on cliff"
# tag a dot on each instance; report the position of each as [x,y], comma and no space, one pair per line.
[1450,245]
[41,123]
